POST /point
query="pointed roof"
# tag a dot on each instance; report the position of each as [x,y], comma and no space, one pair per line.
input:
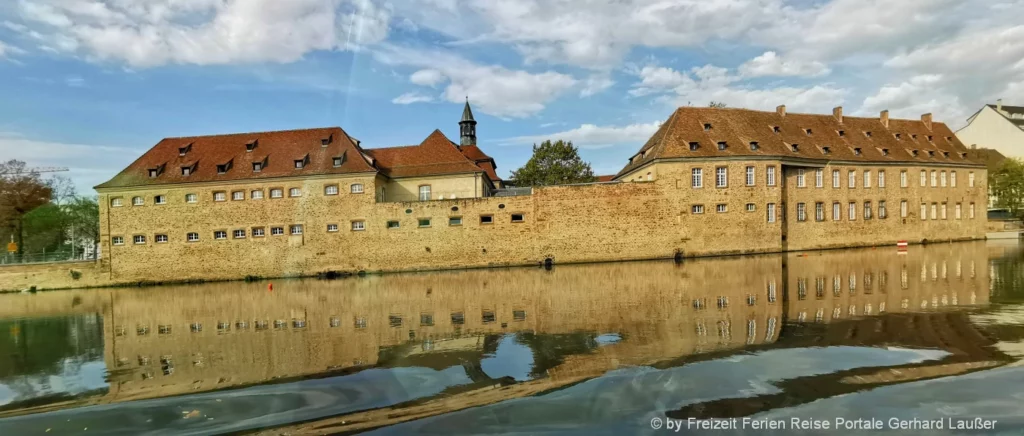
[812,133]
[276,151]
[436,155]
[467,113]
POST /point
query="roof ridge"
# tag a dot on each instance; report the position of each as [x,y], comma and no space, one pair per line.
[257,133]
[740,109]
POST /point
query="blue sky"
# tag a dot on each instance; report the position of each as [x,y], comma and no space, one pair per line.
[92,84]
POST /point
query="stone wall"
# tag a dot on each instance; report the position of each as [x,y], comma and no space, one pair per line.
[52,276]
[579,223]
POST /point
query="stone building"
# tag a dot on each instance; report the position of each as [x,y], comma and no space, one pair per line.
[709,182]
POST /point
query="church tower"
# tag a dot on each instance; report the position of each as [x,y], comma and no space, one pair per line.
[467,127]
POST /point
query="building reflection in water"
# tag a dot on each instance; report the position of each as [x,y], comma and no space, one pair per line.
[577,322]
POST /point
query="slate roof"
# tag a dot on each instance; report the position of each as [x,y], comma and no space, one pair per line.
[1011,110]
[276,151]
[436,155]
[811,133]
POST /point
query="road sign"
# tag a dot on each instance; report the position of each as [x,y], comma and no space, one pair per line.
[12,247]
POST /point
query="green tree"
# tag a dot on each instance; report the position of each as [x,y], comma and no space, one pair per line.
[554,163]
[21,191]
[1007,184]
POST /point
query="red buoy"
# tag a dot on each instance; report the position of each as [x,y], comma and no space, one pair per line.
[270,287]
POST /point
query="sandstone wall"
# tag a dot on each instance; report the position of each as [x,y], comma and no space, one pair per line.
[52,276]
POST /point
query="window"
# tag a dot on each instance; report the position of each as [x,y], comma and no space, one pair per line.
[138,201]
[238,196]
[277,193]
[957,212]
[801,212]
[296,229]
[239,234]
[856,151]
[867,210]
[836,182]
[220,196]
[971,212]
[160,199]
[942,179]
[882,212]
[393,224]
[771,212]
[819,211]
[337,162]
[192,237]
[161,239]
[903,178]
[295,192]
[841,133]
[186,171]
[697,209]
[751,207]
[754,146]
[852,179]
[903,208]
[424,192]
[424,222]
[942,211]
[258,232]
[867,178]
[117,240]
[826,150]
[139,239]
[257,167]
[276,231]
[299,164]
[819,178]
[220,235]
[794,147]
[116,202]
[517,218]
[775,129]
[924,211]
[693,146]
[809,132]
[924,178]
[697,178]
[837,212]
[356,188]
[952,179]
[770,174]
[881,178]
[801,180]
[721,208]
[486,219]
[332,228]
[707,127]
[750,176]
[868,134]
[455,221]
[331,190]
[935,178]
[851,212]
[970,179]
[721,177]
[191,198]
[256,194]
[722,146]
[935,211]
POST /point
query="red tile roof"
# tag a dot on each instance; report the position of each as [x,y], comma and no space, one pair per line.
[482,160]
[435,155]
[606,178]
[737,128]
[278,150]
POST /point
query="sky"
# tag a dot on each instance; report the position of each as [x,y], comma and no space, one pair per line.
[93,84]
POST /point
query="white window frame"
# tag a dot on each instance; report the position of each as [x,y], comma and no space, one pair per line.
[771,215]
[721,208]
[942,212]
[424,194]
[935,211]
[867,179]
[924,178]
[159,199]
[819,178]
[237,195]
[277,193]
[801,179]
[751,207]
[256,194]
[139,240]
[220,235]
[970,179]
[138,201]
[259,232]
[238,234]
[117,202]
[903,178]
[801,212]
[294,192]
[358,226]
[356,188]
[904,208]
[952,179]
[157,237]
[721,177]
[851,211]
[331,190]
[819,211]
[117,240]
[295,229]
[770,175]
[942,179]
[958,212]
[924,211]
[220,196]
[332,228]
[697,209]
[881,178]
[837,181]
[191,198]
[751,176]
[192,237]
[851,179]
[697,178]
[935,178]
[971,216]
[837,211]
[867,211]
[277,231]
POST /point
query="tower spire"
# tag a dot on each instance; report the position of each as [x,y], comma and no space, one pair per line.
[467,127]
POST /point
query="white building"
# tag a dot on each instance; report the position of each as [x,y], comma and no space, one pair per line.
[996,127]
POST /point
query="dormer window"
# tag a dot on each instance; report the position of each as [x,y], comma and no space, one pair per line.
[251,145]
[257,167]
[775,129]
[856,151]
[338,161]
[913,153]
[885,152]
[913,136]
[868,134]
[949,139]
[153,172]
[931,153]
[301,163]
[826,150]
[707,127]
[754,146]
[945,154]
[809,132]
[898,136]
[694,146]
[929,138]
[186,171]
[184,150]
[794,147]
[842,133]
[722,145]
[963,155]
[326,141]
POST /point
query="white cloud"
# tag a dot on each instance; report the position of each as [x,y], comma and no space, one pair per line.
[8,50]
[89,165]
[412,97]
[492,89]
[918,95]
[428,77]
[771,64]
[593,136]
[595,84]
[203,32]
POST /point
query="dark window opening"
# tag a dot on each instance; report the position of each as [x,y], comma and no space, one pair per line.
[395,320]
[794,147]
[393,224]
[722,145]
[776,129]
[842,133]
[517,217]
[694,146]
[426,319]
[754,146]
[856,151]
[488,317]
[458,318]
[486,219]
[519,315]
[707,127]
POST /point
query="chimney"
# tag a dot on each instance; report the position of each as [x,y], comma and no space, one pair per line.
[927,120]
[884,118]
[781,110]
[838,113]
[974,146]
[999,105]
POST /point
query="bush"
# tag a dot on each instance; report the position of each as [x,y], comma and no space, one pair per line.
[75,275]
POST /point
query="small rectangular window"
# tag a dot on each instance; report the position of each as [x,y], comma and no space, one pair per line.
[332,228]
[192,237]
[294,192]
[296,229]
[771,212]
[117,240]
[751,207]
[277,193]
[220,235]
[358,226]
[487,317]
[458,318]
[257,167]
[160,199]
[256,195]
[220,196]
[238,195]
[486,219]
[424,193]
[697,209]
[694,146]
[239,234]
[276,231]
[299,164]
[395,320]
[426,319]
[754,146]
[356,188]
[424,222]
[116,202]
[160,239]
[750,176]
[393,224]
[837,211]
[721,208]
[258,232]
[337,162]
[331,190]
[455,221]
[191,198]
